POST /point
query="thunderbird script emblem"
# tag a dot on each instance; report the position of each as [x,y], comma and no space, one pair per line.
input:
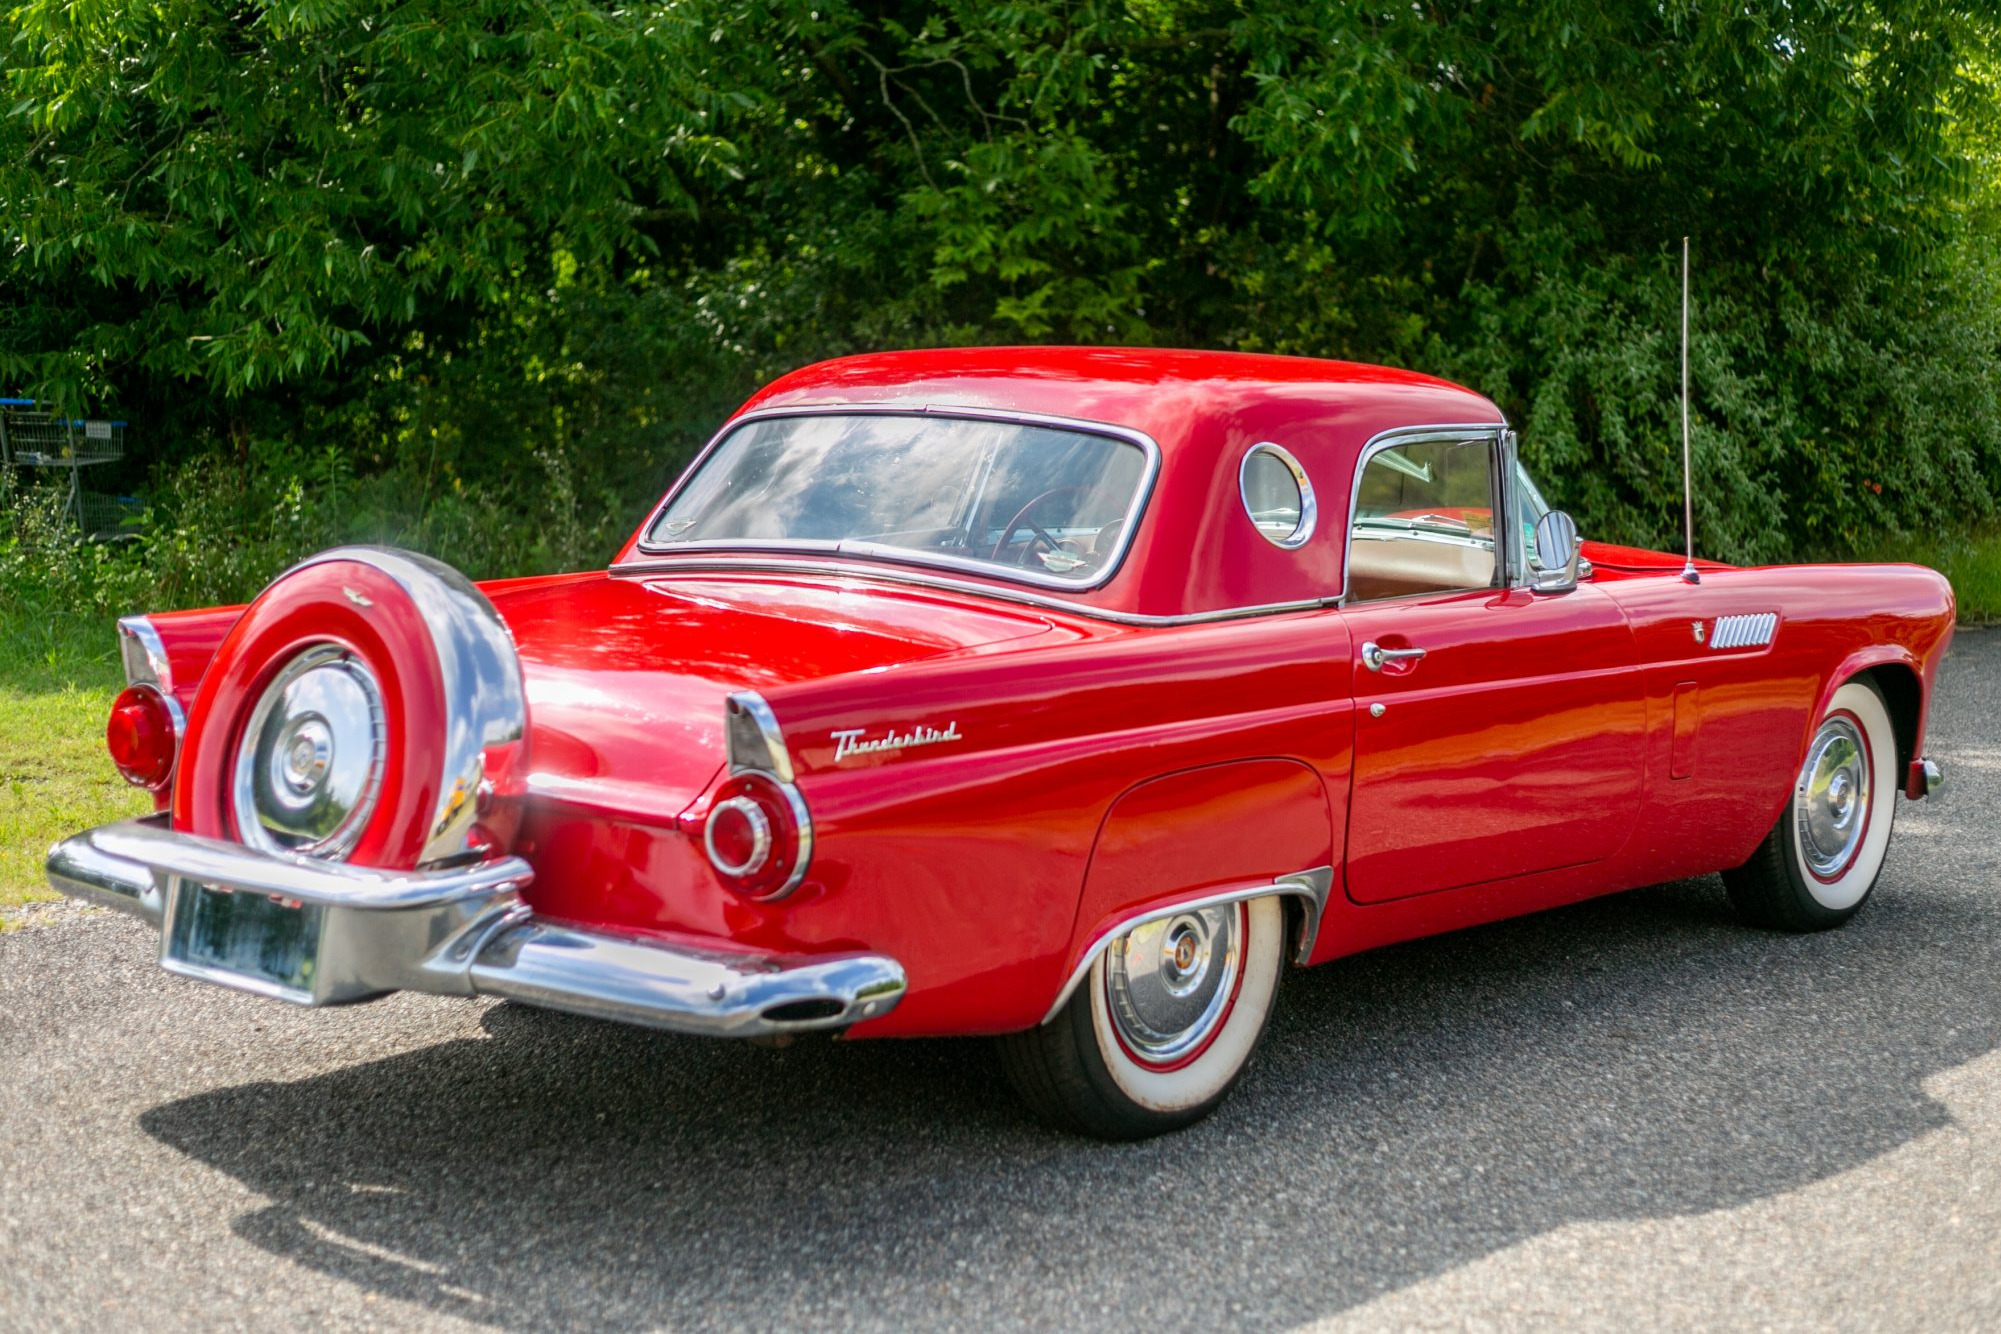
[857,741]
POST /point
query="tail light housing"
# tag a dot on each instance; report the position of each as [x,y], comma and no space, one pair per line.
[758,836]
[144,735]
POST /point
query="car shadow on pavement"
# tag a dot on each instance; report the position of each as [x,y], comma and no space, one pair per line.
[1410,1111]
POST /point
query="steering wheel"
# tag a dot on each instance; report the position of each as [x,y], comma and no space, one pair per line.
[1036,532]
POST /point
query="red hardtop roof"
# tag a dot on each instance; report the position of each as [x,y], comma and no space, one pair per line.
[1151,389]
[1194,550]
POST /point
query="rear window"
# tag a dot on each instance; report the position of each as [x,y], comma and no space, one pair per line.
[1042,503]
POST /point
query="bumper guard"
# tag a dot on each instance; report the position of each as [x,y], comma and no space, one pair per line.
[465,931]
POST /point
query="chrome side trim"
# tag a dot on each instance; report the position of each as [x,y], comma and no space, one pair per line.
[755,743]
[1311,886]
[1411,435]
[144,655]
[465,932]
[483,689]
[837,569]
[1141,494]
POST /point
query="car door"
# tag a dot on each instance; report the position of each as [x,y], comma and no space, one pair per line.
[1498,732]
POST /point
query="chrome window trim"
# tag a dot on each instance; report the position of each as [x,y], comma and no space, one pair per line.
[873,551]
[859,570]
[1309,509]
[1440,539]
[1412,435]
[144,655]
[1312,886]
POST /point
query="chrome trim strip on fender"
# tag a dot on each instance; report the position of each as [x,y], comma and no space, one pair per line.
[465,932]
[144,655]
[836,569]
[483,688]
[1311,886]
[1141,494]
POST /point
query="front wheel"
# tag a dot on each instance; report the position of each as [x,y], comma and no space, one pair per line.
[1821,859]
[1161,1027]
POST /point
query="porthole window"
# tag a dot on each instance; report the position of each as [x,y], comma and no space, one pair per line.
[1277,495]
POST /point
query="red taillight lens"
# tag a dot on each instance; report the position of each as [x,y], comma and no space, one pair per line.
[756,836]
[143,734]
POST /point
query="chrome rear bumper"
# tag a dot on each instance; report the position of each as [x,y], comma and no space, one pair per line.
[465,932]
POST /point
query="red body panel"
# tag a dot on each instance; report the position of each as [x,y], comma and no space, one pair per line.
[1546,748]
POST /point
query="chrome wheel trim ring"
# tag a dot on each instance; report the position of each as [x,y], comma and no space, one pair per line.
[309,763]
[1169,984]
[1831,800]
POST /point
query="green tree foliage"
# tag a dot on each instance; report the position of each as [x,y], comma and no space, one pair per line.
[517,257]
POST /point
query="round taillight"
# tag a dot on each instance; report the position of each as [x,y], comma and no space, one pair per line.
[143,734]
[757,836]
[738,837]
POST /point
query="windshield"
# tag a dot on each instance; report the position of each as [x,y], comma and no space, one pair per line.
[1035,502]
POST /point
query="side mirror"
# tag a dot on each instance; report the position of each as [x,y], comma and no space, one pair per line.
[1556,551]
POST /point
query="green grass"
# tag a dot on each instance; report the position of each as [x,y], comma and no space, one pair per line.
[57,680]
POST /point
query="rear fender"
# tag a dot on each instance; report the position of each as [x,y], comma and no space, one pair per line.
[1224,831]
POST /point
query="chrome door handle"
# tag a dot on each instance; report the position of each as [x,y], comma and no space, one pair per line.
[1374,655]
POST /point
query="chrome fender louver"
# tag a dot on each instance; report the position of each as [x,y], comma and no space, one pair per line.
[1750,631]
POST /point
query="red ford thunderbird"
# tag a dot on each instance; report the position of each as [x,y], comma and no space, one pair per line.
[1066,696]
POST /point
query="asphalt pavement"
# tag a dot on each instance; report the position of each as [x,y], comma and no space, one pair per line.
[1633,1112]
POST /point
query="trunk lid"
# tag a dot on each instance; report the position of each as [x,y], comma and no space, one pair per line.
[627,676]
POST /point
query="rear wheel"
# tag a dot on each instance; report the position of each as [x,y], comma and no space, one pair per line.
[1161,1027]
[1817,866]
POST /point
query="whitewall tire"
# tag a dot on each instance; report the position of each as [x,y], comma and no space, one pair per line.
[1160,1028]
[1817,866]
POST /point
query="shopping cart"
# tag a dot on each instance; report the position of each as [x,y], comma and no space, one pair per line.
[31,438]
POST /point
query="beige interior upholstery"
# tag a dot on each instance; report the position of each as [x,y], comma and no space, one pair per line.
[1399,567]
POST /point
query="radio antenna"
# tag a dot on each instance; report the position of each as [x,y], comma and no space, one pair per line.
[1688,572]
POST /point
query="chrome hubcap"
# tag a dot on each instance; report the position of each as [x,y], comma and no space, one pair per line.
[1169,983]
[1831,802]
[310,763]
